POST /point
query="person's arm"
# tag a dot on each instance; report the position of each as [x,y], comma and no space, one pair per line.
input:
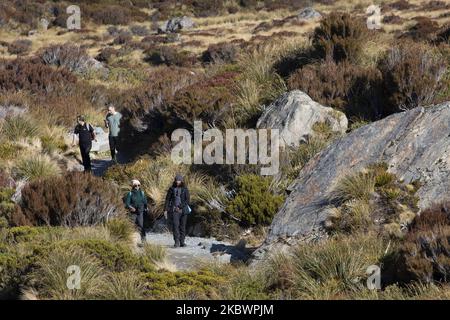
[92,131]
[75,132]
[128,202]
[167,202]
[188,197]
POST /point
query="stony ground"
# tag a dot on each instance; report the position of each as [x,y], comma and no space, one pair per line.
[198,250]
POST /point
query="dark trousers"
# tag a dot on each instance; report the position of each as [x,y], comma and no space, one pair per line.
[138,218]
[179,226]
[85,157]
[113,142]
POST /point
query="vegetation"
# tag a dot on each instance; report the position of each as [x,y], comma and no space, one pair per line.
[237,59]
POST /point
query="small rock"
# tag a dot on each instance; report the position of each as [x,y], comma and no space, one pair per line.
[176,24]
[43,24]
[308,13]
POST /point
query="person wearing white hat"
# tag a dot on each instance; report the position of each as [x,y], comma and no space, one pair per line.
[136,202]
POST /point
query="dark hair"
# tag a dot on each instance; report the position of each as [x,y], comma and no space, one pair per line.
[81,118]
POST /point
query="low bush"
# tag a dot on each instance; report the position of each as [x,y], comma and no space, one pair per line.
[30,75]
[169,56]
[183,285]
[221,53]
[340,36]
[413,76]
[19,47]
[69,56]
[425,250]
[71,200]
[254,203]
[344,86]
[120,229]
[206,100]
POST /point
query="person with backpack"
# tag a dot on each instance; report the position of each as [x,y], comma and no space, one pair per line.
[112,122]
[177,207]
[85,134]
[136,203]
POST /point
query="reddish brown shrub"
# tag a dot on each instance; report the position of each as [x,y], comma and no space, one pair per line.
[424,30]
[412,76]
[76,199]
[221,52]
[343,86]
[72,57]
[170,56]
[204,100]
[426,248]
[19,46]
[33,76]
[113,14]
[340,36]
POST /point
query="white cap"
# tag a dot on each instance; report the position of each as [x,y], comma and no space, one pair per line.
[134,182]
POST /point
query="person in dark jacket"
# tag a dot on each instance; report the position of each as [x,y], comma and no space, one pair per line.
[177,208]
[136,202]
[85,134]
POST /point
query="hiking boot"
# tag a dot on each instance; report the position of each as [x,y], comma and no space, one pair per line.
[176,245]
[183,244]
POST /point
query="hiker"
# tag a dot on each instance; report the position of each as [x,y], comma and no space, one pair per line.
[112,122]
[136,202]
[85,134]
[177,206]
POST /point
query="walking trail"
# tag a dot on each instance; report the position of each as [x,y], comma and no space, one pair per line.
[197,251]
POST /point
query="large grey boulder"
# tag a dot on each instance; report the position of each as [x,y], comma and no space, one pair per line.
[176,24]
[295,113]
[416,146]
[102,143]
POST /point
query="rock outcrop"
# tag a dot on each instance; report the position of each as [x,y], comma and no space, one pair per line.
[414,144]
[176,24]
[295,113]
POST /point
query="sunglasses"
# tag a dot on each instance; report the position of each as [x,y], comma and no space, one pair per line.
[136,185]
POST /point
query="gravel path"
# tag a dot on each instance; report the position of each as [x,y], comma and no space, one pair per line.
[197,250]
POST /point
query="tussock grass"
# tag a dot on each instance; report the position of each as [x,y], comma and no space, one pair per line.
[36,167]
[358,185]
[17,127]
[126,285]
[52,278]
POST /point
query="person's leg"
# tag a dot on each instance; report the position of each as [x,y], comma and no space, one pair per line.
[140,222]
[88,158]
[84,156]
[176,227]
[112,147]
[183,222]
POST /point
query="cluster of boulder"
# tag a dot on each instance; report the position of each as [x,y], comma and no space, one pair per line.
[414,144]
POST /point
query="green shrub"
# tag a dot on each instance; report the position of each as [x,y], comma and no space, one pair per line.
[254,203]
[115,257]
[176,285]
[154,252]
